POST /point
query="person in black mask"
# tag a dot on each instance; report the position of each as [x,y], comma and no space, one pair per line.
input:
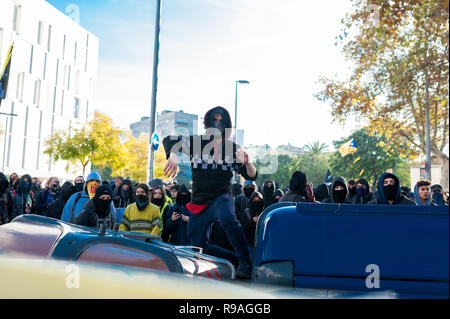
[13,178]
[321,192]
[339,192]
[241,202]
[47,196]
[79,184]
[277,196]
[351,185]
[175,225]
[268,189]
[97,209]
[6,201]
[158,198]
[24,202]
[389,192]
[437,195]
[363,193]
[236,190]
[142,216]
[251,216]
[56,207]
[123,194]
[36,185]
[297,188]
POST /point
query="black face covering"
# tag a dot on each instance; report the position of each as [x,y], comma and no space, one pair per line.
[79,186]
[340,195]
[352,191]
[158,201]
[56,188]
[268,189]
[125,193]
[390,191]
[248,191]
[142,201]
[183,198]
[438,198]
[102,206]
[256,207]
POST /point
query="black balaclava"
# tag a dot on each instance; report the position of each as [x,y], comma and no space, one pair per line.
[125,193]
[297,184]
[183,196]
[390,191]
[102,205]
[352,190]
[248,191]
[79,187]
[339,195]
[256,207]
[142,200]
[159,201]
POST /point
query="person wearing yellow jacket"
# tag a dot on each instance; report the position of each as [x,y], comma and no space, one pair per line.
[142,216]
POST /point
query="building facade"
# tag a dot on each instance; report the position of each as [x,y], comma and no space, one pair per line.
[54,65]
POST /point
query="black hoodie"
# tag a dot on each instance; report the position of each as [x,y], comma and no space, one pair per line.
[119,201]
[92,215]
[210,178]
[368,196]
[23,197]
[247,222]
[333,198]
[321,192]
[55,208]
[6,201]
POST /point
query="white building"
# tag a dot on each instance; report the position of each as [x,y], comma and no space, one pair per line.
[54,64]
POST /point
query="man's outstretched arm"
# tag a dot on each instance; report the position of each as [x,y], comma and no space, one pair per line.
[242,157]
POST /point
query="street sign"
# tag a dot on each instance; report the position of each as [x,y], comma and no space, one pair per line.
[155,141]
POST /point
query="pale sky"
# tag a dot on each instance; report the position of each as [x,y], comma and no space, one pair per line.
[281,47]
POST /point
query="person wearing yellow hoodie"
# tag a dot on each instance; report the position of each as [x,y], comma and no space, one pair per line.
[142,216]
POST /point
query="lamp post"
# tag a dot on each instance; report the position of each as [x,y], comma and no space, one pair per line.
[151,154]
[236,178]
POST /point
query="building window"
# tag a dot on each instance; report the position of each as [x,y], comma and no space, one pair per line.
[25,138]
[75,54]
[64,47]
[39,141]
[37,92]
[54,101]
[87,110]
[68,78]
[62,103]
[10,134]
[66,72]
[49,38]
[45,66]
[31,59]
[76,108]
[77,81]
[57,71]
[19,91]
[16,19]
[40,34]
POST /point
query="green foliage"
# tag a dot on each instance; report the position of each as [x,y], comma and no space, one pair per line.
[373,158]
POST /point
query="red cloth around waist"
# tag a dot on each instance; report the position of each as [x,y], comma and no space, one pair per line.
[195,209]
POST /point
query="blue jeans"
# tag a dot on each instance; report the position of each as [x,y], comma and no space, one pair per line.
[200,225]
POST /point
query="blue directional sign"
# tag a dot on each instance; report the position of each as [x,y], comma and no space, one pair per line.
[155,141]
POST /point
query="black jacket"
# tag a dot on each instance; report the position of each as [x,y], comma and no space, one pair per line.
[321,192]
[210,178]
[56,207]
[399,198]
[332,198]
[6,201]
[24,202]
[247,222]
[290,196]
[90,217]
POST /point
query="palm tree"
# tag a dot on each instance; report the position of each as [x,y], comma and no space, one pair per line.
[315,149]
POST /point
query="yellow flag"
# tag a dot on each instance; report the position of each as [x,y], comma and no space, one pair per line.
[348,148]
[356,159]
[362,171]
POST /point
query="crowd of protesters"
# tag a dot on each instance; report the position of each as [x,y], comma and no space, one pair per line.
[212,213]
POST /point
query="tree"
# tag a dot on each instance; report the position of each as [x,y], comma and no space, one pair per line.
[401,64]
[75,148]
[369,161]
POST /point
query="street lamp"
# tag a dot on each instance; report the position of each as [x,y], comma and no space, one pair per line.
[235,118]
